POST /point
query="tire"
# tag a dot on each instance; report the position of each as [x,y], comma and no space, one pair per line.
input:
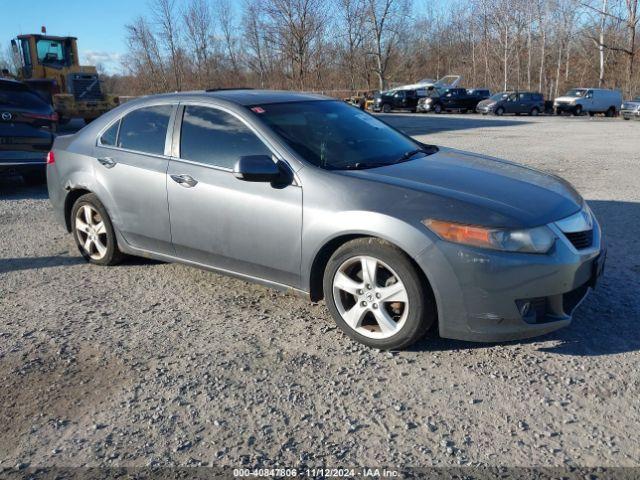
[108,254]
[534,112]
[626,118]
[499,111]
[611,112]
[386,108]
[591,114]
[437,108]
[577,111]
[404,318]
[35,178]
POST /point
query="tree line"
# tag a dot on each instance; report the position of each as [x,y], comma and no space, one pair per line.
[344,46]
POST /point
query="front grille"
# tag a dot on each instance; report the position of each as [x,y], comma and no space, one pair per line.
[86,87]
[580,240]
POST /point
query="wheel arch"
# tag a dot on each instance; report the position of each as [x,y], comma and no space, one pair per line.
[70,199]
[320,260]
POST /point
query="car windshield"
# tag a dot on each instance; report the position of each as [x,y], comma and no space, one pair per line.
[499,96]
[576,92]
[637,99]
[336,136]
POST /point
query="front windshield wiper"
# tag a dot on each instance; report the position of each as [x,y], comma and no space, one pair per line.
[362,166]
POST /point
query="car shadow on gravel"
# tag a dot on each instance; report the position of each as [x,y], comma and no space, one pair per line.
[33,263]
[431,123]
[608,321]
[14,188]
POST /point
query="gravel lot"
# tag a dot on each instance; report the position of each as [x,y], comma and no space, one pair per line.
[155,364]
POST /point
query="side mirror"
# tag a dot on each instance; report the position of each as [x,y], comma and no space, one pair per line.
[256,168]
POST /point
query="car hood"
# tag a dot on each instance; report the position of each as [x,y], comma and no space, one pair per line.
[486,102]
[630,104]
[567,99]
[475,189]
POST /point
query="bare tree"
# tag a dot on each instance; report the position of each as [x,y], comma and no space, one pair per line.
[384,18]
[197,20]
[165,17]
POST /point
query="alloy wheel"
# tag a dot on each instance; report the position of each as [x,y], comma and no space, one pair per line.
[91,232]
[370,297]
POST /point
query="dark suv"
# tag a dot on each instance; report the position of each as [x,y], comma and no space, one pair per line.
[396,100]
[27,124]
[530,103]
[440,100]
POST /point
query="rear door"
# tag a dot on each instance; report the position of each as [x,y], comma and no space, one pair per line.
[250,228]
[131,158]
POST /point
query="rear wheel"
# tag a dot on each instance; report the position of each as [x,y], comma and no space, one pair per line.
[376,295]
[534,112]
[611,112]
[437,108]
[93,231]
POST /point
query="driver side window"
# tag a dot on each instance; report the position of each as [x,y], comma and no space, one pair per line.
[217,138]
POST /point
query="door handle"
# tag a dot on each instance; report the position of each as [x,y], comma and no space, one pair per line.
[186,181]
[107,162]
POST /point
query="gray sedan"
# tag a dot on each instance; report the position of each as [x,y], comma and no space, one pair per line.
[308,194]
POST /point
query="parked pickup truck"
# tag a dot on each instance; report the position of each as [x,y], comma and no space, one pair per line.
[440,100]
[399,99]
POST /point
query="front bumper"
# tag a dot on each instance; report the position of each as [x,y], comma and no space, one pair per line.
[481,294]
[564,108]
[484,109]
[628,114]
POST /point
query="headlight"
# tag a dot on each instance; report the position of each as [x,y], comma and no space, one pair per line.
[428,100]
[532,240]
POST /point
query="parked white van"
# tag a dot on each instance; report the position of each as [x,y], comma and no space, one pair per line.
[589,100]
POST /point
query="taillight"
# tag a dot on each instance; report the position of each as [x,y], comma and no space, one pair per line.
[51,158]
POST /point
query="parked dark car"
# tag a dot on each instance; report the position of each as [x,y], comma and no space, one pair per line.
[397,100]
[27,124]
[529,103]
[441,100]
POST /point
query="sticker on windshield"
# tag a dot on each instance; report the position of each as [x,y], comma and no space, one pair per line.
[257,109]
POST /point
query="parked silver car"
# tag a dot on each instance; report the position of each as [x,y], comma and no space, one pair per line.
[631,109]
[309,194]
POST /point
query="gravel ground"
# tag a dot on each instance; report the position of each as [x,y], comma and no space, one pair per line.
[156,364]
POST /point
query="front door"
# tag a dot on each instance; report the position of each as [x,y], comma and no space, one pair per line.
[132,166]
[251,228]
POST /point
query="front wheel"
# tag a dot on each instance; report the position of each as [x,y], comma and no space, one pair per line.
[611,112]
[437,108]
[93,231]
[499,111]
[577,111]
[376,295]
[386,108]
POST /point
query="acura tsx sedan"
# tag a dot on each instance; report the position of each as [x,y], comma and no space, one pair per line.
[308,194]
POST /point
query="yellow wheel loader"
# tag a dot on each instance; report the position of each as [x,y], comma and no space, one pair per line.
[50,65]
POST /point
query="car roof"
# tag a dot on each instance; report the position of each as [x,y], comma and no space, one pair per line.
[12,82]
[247,96]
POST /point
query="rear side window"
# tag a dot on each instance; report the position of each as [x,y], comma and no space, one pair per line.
[537,97]
[216,138]
[145,130]
[20,98]
[109,137]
